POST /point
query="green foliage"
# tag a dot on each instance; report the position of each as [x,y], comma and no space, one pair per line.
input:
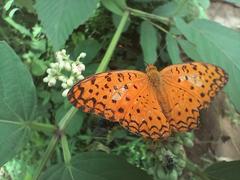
[173,49]
[95,166]
[60,18]
[116,6]
[90,46]
[17,103]
[224,171]
[149,42]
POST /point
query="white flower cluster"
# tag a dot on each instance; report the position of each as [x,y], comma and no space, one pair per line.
[65,71]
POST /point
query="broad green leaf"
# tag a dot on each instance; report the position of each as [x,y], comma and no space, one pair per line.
[115,6]
[224,171]
[60,17]
[76,120]
[95,166]
[90,69]
[90,46]
[173,49]
[172,9]
[189,49]
[28,4]
[218,45]
[149,42]
[17,103]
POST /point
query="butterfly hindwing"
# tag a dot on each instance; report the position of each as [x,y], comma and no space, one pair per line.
[144,116]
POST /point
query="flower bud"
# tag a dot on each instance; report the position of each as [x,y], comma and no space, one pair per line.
[49,71]
[64,85]
[70,82]
[80,77]
[82,55]
[67,66]
[53,65]
[46,79]
[52,82]
[62,78]
[64,93]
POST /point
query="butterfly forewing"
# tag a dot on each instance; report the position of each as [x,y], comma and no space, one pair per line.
[202,80]
[190,87]
[107,94]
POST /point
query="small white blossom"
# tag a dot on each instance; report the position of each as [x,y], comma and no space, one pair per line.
[80,77]
[53,65]
[61,64]
[78,67]
[81,67]
[49,71]
[64,93]
[52,82]
[62,78]
[70,82]
[64,85]
[67,66]
[59,56]
[46,79]
[82,55]
[65,70]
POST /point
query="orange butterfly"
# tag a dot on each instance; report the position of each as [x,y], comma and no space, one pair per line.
[153,104]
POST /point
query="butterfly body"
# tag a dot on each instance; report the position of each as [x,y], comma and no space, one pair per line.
[153,104]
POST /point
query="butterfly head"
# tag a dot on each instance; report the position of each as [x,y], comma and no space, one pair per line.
[151,67]
[153,75]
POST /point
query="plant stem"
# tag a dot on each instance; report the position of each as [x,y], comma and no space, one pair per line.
[18,27]
[43,127]
[66,152]
[112,45]
[67,118]
[46,156]
[142,14]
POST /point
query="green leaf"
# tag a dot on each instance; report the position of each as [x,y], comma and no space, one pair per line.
[90,46]
[149,42]
[189,49]
[60,17]
[76,121]
[17,103]
[173,49]
[115,6]
[90,69]
[218,45]
[38,67]
[28,4]
[95,166]
[172,9]
[8,5]
[224,171]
